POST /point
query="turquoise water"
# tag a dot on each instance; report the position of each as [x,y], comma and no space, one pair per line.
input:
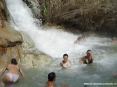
[101,71]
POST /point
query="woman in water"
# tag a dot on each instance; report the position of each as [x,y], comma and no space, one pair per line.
[66,63]
[12,72]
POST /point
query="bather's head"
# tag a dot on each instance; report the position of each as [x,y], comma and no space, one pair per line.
[89,52]
[51,76]
[65,57]
[14,61]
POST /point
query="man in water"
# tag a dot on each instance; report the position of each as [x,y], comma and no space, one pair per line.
[88,59]
[13,72]
[51,79]
[65,63]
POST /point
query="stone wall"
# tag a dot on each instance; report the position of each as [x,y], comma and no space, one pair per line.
[2,13]
[10,40]
[10,45]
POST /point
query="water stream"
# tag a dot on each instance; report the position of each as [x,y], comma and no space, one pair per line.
[55,42]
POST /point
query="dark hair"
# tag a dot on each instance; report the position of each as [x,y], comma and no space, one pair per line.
[65,55]
[51,76]
[14,61]
[88,50]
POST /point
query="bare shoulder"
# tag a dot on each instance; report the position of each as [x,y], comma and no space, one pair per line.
[18,67]
[9,65]
[13,66]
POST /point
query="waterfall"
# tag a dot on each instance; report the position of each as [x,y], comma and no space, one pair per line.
[53,42]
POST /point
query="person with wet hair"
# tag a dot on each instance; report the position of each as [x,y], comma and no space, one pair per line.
[66,63]
[88,59]
[12,72]
[51,79]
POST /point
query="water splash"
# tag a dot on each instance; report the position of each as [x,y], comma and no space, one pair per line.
[52,42]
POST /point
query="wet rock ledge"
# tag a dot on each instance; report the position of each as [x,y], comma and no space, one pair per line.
[10,45]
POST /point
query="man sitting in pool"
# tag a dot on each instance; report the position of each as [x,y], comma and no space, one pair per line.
[88,59]
[13,72]
[65,63]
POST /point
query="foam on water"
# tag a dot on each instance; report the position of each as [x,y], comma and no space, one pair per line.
[52,42]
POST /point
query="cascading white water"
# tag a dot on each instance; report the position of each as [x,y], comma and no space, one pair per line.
[52,42]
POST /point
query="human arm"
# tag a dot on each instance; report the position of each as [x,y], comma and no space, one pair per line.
[21,72]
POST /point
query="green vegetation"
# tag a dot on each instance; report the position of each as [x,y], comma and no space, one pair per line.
[85,15]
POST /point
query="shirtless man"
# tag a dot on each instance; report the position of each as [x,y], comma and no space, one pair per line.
[51,79]
[88,59]
[11,73]
[65,63]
